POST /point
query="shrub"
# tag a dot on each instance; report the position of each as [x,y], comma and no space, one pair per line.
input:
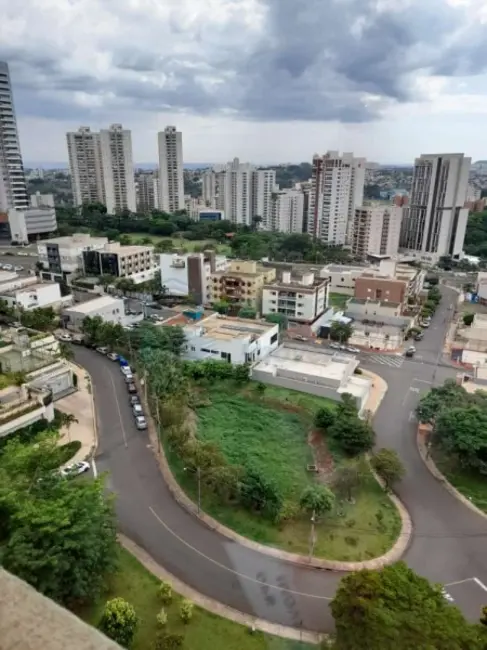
[168,641]
[162,618]
[119,621]
[165,592]
[324,417]
[186,611]
[75,380]
[468,319]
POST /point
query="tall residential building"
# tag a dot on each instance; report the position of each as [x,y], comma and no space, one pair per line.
[208,188]
[118,169]
[376,230]
[147,191]
[337,188]
[263,186]
[13,192]
[171,179]
[435,220]
[287,211]
[235,196]
[85,166]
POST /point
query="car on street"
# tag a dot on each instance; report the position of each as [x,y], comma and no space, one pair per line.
[75,469]
[137,410]
[334,346]
[19,268]
[134,399]
[298,337]
[8,267]
[153,305]
[78,339]
[102,350]
[132,388]
[113,356]
[126,370]
[141,422]
[129,379]
[67,338]
[410,351]
[352,349]
[419,337]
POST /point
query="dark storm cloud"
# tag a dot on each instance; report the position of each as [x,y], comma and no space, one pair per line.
[310,60]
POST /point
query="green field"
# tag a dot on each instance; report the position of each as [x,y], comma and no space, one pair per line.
[270,431]
[473,486]
[205,631]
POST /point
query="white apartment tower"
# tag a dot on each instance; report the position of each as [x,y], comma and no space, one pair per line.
[13,192]
[86,167]
[376,230]
[171,179]
[287,211]
[235,196]
[118,169]
[147,191]
[337,188]
[264,183]
[435,219]
[209,188]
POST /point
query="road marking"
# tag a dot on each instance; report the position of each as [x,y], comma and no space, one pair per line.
[93,467]
[423,381]
[222,566]
[480,583]
[458,582]
[118,408]
[412,416]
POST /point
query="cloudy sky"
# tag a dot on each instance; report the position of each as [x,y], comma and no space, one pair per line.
[265,80]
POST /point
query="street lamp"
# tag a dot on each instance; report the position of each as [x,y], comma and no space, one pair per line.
[198,474]
[312,536]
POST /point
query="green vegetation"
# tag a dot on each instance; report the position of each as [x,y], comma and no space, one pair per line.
[470,484]
[338,300]
[476,235]
[135,584]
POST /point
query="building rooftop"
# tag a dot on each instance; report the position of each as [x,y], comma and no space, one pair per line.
[95,304]
[369,301]
[28,288]
[116,247]
[225,328]
[77,239]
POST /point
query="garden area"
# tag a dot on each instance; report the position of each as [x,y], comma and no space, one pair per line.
[296,472]
[458,442]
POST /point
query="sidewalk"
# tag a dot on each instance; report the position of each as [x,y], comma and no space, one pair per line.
[80,404]
[379,389]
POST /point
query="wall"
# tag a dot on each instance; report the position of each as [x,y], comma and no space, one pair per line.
[113,313]
[42,296]
[380,289]
[342,281]
[174,277]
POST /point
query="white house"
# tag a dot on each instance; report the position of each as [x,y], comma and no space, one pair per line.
[110,309]
[47,294]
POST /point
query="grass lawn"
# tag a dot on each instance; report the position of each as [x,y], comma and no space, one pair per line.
[338,300]
[205,631]
[270,431]
[471,485]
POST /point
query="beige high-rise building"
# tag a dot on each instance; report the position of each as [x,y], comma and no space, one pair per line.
[171,177]
[234,183]
[118,169]
[287,211]
[209,188]
[376,230]
[147,191]
[86,167]
[13,192]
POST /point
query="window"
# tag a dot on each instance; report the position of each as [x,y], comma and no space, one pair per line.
[205,350]
[193,349]
[274,338]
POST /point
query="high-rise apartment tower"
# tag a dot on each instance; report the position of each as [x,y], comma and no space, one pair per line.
[84,154]
[118,169]
[171,179]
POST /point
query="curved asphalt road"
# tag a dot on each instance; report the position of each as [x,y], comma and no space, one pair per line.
[449,545]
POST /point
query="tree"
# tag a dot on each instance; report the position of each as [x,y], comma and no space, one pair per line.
[186,610]
[221,306]
[247,312]
[439,398]
[395,609]
[347,477]
[353,435]
[317,499]
[92,328]
[43,319]
[119,621]
[341,331]
[388,466]
[19,378]
[165,592]
[67,420]
[259,493]
[468,319]
[324,417]
[463,432]
[162,618]
[66,351]
[278,319]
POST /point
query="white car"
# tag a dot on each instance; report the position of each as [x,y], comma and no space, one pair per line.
[75,469]
[113,356]
[126,370]
[102,350]
[137,410]
[353,350]
[141,422]
[129,378]
[65,337]
[19,268]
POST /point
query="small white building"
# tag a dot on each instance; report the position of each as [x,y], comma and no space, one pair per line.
[301,299]
[62,256]
[47,294]
[111,310]
[235,340]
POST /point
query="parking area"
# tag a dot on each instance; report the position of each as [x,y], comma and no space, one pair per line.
[469,595]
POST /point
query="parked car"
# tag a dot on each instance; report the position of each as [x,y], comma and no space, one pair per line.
[78,339]
[113,356]
[8,267]
[19,268]
[299,337]
[419,336]
[334,346]
[102,350]
[141,422]
[75,469]
[153,305]
[410,351]
[65,337]
[134,399]
[353,350]
[132,388]
[137,410]
[129,378]
[126,370]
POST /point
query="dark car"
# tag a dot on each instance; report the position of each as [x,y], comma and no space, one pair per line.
[134,399]
[419,337]
[410,351]
[132,388]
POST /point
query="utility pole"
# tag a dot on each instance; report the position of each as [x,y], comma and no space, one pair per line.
[198,471]
[312,536]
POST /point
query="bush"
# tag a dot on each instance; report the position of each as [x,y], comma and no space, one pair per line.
[165,592]
[324,417]
[119,621]
[468,319]
[168,641]
[67,451]
[75,380]
[258,493]
[162,618]
[186,611]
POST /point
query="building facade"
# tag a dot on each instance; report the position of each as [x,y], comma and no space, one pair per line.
[234,182]
[118,169]
[147,192]
[383,289]
[25,225]
[337,188]
[208,188]
[110,310]
[376,230]
[37,295]
[263,186]
[435,220]
[61,257]
[241,283]
[189,274]
[210,214]
[135,262]
[171,179]
[39,200]
[85,165]
[301,300]
[287,211]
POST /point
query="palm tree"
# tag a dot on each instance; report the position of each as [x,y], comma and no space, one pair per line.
[66,420]
[65,351]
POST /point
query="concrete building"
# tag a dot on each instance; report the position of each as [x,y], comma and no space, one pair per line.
[370,286]
[377,324]
[241,283]
[147,192]
[171,180]
[210,214]
[61,257]
[234,182]
[337,188]
[235,340]
[10,280]
[190,274]
[36,295]
[263,186]
[287,211]
[25,225]
[300,299]
[110,310]
[13,192]
[435,220]
[118,169]
[134,262]
[376,230]
[39,200]
[315,371]
[209,188]
[85,165]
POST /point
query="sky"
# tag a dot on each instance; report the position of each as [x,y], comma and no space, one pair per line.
[267,81]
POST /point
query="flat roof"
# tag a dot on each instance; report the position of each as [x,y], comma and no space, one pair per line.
[27,288]
[297,284]
[127,250]
[225,328]
[317,363]
[95,304]
[74,240]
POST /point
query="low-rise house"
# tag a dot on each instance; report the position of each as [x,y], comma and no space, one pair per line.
[33,296]
[377,324]
[110,310]
[301,299]
[241,284]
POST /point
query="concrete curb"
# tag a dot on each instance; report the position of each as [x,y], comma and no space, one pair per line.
[94,446]
[433,469]
[393,555]
[214,606]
